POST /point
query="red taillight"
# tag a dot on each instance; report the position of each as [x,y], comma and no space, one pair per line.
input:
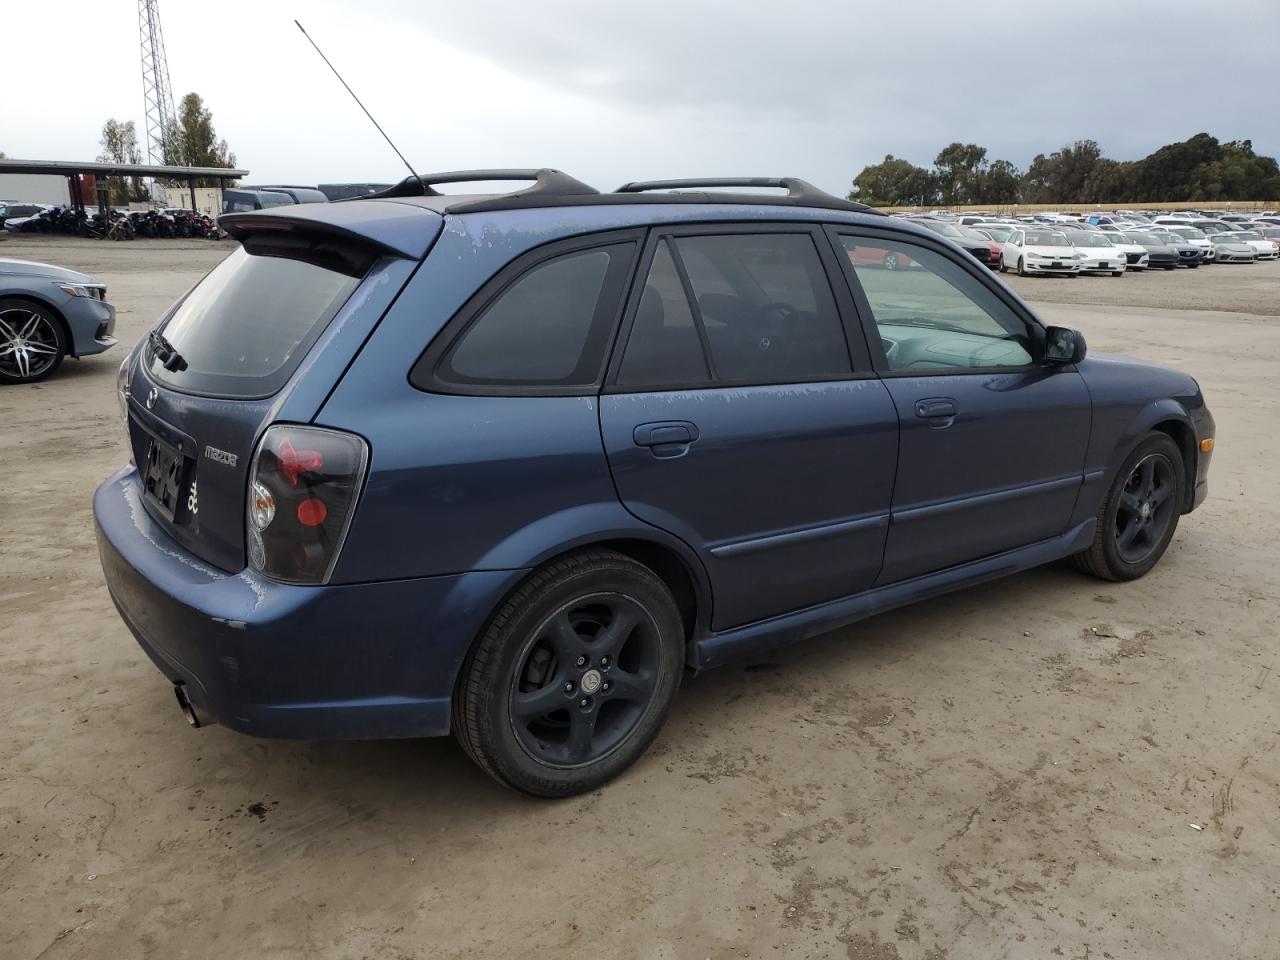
[311,512]
[292,463]
[309,477]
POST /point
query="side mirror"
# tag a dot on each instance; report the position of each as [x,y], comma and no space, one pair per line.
[1064,345]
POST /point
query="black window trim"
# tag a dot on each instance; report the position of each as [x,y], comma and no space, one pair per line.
[854,336]
[423,374]
[965,261]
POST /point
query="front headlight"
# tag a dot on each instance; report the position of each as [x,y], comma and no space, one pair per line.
[94,291]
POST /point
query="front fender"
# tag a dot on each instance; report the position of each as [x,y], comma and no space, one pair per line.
[1130,398]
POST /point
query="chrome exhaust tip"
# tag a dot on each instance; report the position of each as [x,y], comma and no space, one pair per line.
[184,703]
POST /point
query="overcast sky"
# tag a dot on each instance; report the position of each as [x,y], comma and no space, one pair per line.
[619,91]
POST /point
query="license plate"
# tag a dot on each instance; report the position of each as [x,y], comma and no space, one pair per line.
[163,476]
[1056,263]
[1105,264]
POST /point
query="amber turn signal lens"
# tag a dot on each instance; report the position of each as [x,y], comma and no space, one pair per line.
[1206,444]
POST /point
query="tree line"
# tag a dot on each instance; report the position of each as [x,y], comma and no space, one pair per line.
[189,141]
[1200,168]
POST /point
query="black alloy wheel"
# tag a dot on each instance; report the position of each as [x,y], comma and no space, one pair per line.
[573,676]
[584,679]
[1145,508]
[1139,516]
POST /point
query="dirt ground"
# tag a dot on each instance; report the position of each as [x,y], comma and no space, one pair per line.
[1046,766]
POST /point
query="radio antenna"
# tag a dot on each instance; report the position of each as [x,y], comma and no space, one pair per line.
[426,191]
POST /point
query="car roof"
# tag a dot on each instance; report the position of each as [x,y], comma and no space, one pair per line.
[554,188]
[387,219]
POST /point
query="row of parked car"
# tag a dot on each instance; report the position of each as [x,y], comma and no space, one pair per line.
[114,224]
[122,224]
[1107,243]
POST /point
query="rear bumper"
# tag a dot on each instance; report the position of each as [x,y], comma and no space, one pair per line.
[353,661]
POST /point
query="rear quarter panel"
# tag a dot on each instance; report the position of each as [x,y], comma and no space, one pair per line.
[459,483]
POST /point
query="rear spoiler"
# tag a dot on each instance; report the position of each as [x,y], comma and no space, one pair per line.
[393,229]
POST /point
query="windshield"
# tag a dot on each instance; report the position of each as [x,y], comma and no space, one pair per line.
[1047,238]
[972,234]
[1090,240]
[1248,235]
[946,229]
[1146,239]
[996,230]
[1191,233]
[243,330]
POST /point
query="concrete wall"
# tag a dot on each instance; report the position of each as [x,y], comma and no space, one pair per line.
[34,188]
[208,200]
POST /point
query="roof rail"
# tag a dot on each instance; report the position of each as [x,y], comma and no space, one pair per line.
[546,182]
[797,190]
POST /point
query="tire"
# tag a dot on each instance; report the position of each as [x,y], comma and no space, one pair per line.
[1022,269]
[32,343]
[1117,273]
[1121,514]
[553,700]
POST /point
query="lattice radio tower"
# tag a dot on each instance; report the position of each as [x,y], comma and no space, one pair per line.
[156,92]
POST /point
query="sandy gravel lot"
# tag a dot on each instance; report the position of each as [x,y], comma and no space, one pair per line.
[1012,771]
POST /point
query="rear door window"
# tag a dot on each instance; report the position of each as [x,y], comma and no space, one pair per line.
[243,330]
[735,308]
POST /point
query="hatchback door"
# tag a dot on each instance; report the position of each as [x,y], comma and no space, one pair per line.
[992,447]
[739,417]
[262,338]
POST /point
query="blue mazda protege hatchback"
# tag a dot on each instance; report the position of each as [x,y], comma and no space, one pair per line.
[505,465]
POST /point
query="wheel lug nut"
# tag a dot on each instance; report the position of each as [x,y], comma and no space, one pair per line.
[584,702]
[568,686]
[582,661]
[605,685]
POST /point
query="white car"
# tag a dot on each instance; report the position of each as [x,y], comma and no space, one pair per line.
[1098,254]
[1041,249]
[1136,256]
[1194,237]
[1264,249]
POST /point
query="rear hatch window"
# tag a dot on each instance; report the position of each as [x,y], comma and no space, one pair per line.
[243,330]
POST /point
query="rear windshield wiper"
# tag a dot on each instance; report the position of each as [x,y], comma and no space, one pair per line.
[170,358]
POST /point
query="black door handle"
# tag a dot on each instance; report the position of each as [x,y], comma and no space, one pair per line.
[935,408]
[667,431]
[668,438]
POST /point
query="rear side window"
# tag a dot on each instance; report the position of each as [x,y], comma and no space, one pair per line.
[246,326]
[549,328]
[736,308]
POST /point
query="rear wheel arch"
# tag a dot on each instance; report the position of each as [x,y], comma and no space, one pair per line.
[674,571]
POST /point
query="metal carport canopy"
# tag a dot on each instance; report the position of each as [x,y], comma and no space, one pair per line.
[66,167]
